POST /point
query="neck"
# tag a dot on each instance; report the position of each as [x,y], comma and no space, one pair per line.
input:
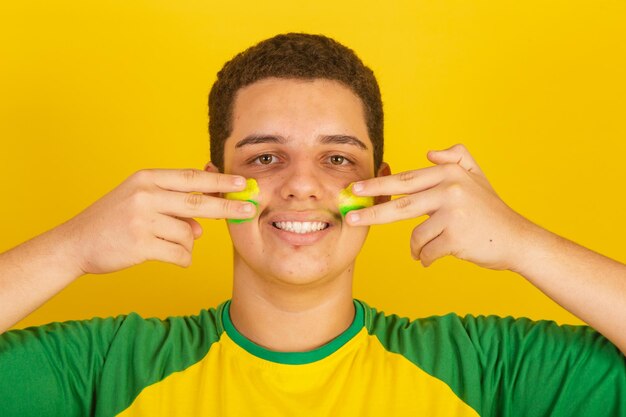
[286,317]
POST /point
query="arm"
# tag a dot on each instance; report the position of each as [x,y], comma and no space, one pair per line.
[588,284]
[468,220]
[147,217]
[33,272]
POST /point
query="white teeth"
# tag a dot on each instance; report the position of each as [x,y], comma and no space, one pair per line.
[301,227]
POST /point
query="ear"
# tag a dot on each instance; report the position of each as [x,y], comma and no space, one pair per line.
[383,171]
[210,167]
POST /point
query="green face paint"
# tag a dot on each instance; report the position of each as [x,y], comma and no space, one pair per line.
[250,193]
[349,201]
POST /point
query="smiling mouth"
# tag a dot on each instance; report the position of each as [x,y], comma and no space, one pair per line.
[301,227]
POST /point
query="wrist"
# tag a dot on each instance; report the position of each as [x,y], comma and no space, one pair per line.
[532,247]
[64,251]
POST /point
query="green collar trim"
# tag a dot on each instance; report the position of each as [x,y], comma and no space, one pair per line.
[294,358]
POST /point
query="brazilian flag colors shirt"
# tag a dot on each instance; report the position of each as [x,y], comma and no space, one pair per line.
[382,365]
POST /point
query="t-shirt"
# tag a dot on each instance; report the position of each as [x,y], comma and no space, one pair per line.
[382,365]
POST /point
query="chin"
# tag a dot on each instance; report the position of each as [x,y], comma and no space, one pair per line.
[296,272]
[302,276]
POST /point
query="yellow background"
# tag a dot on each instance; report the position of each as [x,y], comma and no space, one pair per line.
[91,92]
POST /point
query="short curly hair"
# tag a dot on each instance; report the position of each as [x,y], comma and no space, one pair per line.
[300,56]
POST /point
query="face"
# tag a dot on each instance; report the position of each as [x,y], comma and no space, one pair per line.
[303,141]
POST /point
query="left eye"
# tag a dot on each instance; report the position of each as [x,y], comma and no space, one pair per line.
[338,159]
[265,159]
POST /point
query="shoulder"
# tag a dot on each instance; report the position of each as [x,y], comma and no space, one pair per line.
[481,334]
[492,354]
[122,330]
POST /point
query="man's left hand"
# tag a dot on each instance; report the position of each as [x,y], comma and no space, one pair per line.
[467,219]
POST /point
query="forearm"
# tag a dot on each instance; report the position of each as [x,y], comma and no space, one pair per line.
[33,272]
[587,284]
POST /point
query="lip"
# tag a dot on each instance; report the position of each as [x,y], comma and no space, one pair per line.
[300,239]
[301,216]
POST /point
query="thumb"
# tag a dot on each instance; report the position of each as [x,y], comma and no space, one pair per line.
[457,154]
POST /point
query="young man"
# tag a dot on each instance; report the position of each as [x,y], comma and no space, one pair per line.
[302,115]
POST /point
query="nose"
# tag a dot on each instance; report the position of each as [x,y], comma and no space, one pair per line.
[302,183]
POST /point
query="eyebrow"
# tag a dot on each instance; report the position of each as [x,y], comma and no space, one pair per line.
[256,139]
[325,139]
[343,139]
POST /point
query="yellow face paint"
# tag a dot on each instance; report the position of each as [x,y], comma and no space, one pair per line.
[349,201]
[250,193]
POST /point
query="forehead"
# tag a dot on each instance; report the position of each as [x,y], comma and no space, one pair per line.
[298,110]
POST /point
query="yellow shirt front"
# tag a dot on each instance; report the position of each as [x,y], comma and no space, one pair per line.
[358,377]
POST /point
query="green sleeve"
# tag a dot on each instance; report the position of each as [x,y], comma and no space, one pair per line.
[505,367]
[96,367]
[52,370]
[543,369]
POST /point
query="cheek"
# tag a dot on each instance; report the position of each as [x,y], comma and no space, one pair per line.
[267,188]
[242,233]
[354,239]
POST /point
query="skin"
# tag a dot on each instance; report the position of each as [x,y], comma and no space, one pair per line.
[468,220]
[291,297]
[294,292]
[149,216]
[307,287]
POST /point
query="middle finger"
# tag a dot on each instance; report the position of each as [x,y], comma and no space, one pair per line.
[407,207]
[190,205]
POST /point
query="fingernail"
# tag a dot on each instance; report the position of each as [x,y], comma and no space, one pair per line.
[357,187]
[354,217]
[247,208]
[238,181]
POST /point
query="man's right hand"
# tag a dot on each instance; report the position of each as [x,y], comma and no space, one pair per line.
[150,217]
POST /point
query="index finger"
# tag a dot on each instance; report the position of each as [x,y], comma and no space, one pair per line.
[190,180]
[408,182]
